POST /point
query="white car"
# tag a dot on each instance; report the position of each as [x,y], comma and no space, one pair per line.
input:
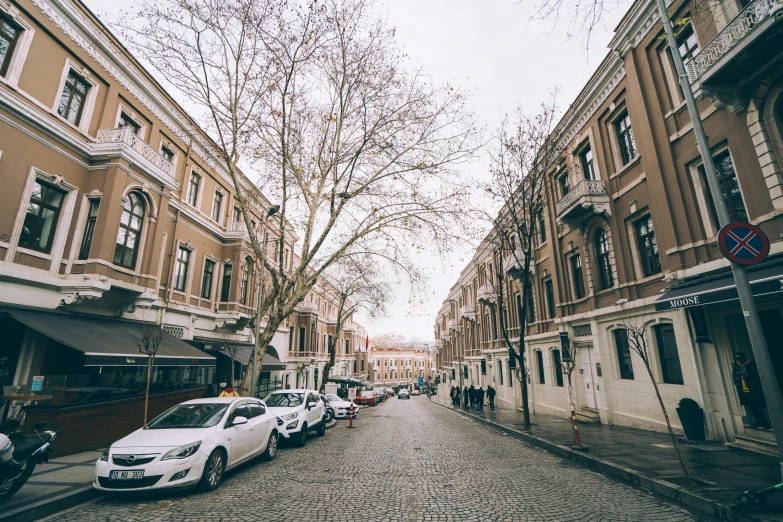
[341,408]
[191,444]
[297,411]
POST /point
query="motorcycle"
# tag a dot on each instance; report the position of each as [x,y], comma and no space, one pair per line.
[750,498]
[22,450]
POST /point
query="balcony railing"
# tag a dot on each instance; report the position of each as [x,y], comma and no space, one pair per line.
[588,197]
[468,313]
[514,264]
[237,229]
[127,137]
[306,307]
[454,324]
[747,19]
[486,295]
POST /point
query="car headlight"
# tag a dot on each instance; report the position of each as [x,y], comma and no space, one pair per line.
[290,416]
[182,452]
[105,456]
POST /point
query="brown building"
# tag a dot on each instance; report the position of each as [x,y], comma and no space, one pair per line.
[629,229]
[115,213]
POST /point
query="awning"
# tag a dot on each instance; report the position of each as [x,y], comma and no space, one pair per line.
[244,352]
[110,342]
[765,278]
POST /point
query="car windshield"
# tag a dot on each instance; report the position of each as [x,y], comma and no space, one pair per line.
[367,394]
[202,415]
[284,400]
[333,397]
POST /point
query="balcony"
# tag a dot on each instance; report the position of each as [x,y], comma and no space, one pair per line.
[486,295]
[137,152]
[237,230]
[514,264]
[306,307]
[588,198]
[454,325]
[468,313]
[738,52]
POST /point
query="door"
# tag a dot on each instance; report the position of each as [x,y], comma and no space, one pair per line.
[315,415]
[239,436]
[588,377]
[261,427]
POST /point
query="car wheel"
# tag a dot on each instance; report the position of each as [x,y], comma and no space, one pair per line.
[213,470]
[302,440]
[271,447]
[328,416]
[16,484]
[321,428]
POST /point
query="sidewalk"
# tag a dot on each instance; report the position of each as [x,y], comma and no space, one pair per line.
[647,459]
[55,485]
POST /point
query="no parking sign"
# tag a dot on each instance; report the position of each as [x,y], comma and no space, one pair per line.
[743,243]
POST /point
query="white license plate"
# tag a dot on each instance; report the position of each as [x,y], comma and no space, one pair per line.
[127,475]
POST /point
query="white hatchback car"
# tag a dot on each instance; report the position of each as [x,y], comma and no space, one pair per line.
[297,411]
[191,444]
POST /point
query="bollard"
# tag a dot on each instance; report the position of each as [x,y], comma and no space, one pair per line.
[350,417]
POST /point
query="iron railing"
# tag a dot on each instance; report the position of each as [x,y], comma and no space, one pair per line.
[127,137]
[586,187]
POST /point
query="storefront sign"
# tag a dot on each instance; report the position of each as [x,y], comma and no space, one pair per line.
[699,322]
[770,286]
[37,384]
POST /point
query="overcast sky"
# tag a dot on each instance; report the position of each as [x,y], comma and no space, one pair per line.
[492,48]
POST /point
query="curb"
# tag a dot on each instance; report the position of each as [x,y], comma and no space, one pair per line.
[656,486]
[50,506]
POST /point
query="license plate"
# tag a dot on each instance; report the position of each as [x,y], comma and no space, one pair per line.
[127,475]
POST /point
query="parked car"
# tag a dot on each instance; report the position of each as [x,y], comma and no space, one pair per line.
[341,407]
[416,391]
[298,412]
[367,397]
[404,394]
[381,392]
[191,444]
[390,392]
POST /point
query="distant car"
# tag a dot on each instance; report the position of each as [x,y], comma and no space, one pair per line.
[416,392]
[341,408]
[297,411]
[191,444]
[404,394]
[381,392]
[390,392]
[367,398]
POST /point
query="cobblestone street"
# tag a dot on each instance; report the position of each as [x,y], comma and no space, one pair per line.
[406,461]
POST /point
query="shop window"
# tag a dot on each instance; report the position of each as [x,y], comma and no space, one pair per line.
[601,246]
[586,160]
[558,366]
[540,365]
[225,287]
[576,276]
[9,36]
[129,234]
[727,179]
[550,298]
[623,354]
[648,246]
[43,213]
[181,269]
[625,139]
[206,279]
[73,98]
[193,186]
[671,371]
[89,229]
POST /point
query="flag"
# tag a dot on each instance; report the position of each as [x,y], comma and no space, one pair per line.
[367,343]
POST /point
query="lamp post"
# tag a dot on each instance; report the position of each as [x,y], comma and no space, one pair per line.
[758,342]
[271,212]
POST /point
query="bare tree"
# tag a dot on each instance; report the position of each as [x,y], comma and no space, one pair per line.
[232,349]
[358,148]
[357,285]
[569,360]
[524,152]
[388,340]
[635,326]
[147,338]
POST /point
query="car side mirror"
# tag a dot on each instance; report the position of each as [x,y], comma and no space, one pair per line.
[239,420]
[311,405]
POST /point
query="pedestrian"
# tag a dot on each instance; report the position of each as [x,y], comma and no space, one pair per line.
[472,396]
[212,391]
[465,397]
[480,399]
[491,397]
[229,392]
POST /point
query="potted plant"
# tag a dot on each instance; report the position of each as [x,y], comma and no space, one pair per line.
[692,418]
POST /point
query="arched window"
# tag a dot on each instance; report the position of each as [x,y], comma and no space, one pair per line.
[602,257]
[247,267]
[127,246]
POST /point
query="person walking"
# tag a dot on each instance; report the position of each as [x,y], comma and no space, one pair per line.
[491,396]
[480,399]
[465,397]
[472,396]
[229,392]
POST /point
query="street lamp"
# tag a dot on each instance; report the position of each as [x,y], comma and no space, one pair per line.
[271,212]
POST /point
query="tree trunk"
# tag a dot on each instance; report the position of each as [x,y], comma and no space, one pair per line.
[330,364]
[147,392]
[231,380]
[262,341]
[523,380]
[669,426]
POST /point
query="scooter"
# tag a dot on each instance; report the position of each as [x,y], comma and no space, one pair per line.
[21,451]
[751,498]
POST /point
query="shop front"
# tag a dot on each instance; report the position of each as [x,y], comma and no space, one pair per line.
[734,402]
[88,374]
[238,354]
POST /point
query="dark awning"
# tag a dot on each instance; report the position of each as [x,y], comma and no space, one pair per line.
[765,278]
[110,342]
[270,363]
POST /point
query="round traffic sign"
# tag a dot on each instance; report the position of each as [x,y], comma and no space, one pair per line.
[743,243]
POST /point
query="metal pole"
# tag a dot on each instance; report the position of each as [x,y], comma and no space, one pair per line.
[769,382]
[258,310]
